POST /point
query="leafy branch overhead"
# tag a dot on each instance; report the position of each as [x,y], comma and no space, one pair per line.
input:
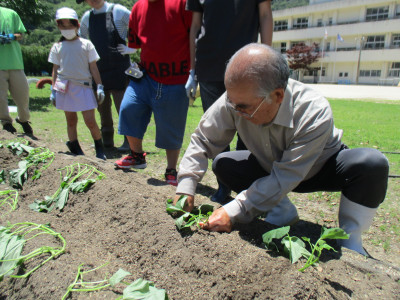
[69,176]
[187,219]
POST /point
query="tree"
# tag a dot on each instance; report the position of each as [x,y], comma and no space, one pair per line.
[301,56]
[31,12]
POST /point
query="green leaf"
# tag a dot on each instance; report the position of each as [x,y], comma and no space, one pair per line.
[17,177]
[62,199]
[333,233]
[118,277]
[323,245]
[181,202]
[81,186]
[11,248]
[206,208]
[143,289]
[179,222]
[274,234]
[295,248]
[26,148]
[171,208]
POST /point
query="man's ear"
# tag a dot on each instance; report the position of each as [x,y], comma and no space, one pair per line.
[277,95]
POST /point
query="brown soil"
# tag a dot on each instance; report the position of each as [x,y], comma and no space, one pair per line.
[122,220]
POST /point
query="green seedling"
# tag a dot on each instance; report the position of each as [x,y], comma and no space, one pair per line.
[187,219]
[14,237]
[19,146]
[36,156]
[87,174]
[295,248]
[2,177]
[10,198]
[140,289]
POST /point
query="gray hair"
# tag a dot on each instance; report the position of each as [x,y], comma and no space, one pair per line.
[261,64]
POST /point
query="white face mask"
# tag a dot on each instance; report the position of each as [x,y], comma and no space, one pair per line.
[69,34]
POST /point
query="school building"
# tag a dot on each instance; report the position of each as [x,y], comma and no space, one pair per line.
[359,40]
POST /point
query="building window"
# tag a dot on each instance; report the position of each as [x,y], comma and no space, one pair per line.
[370,73]
[330,21]
[346,74]
[377,13]
[300,23]
[340,74]
[294,44]
[280,25]
[394,71]
[328,46]
[396,40]
[375,42]
[283,47]
[319,23]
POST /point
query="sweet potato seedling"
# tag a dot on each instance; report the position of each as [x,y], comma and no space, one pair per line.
[187,219]
[36,156]
[295,248]
[19,146]
[87,174]
[10,198]
[140,289]
[14,237]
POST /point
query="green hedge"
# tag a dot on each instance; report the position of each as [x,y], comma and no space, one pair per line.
[35,60]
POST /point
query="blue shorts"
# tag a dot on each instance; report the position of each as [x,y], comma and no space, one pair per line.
[168,102]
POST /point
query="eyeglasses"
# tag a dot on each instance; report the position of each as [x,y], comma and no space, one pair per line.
[236,109]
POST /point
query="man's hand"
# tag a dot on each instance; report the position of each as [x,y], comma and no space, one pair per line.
[189,202]
[100,94]
[218,221]
[191,85]
[125,49]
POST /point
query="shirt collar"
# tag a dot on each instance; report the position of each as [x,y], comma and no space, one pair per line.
[284,117]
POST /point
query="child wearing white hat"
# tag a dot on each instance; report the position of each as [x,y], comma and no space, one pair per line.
[74,65]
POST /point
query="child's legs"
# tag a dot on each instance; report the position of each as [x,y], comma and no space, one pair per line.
[90,121]
[72,121]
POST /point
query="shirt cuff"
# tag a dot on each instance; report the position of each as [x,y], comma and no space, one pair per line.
[237,211]
[186,186]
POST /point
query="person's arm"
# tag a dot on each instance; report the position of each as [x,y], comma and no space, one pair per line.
[214,132]
[95,72]
[97,79]
[191,84]
[54,73]
[18,36]
[194,29]
[54,77]
[266,22]
[84,28]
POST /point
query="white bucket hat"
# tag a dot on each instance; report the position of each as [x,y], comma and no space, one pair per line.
[66,13]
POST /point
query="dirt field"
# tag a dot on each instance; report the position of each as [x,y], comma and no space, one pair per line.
[122,220]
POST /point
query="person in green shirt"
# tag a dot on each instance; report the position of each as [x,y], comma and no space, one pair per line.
[12,75]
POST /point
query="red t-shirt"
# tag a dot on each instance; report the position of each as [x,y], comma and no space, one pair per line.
[161,30]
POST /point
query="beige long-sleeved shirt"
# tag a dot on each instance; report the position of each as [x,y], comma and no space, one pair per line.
[292,148]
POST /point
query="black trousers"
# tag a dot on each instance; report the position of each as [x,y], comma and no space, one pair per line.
[361,174]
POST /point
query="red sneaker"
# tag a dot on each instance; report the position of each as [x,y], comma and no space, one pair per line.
[171,177]
[135,160]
